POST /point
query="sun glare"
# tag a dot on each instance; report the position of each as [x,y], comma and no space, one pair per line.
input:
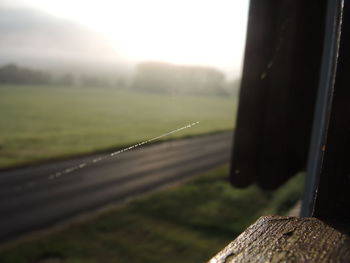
[209,32]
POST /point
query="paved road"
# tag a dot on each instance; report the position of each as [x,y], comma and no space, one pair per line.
[32,198]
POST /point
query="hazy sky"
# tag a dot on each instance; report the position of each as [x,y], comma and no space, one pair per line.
[199,32]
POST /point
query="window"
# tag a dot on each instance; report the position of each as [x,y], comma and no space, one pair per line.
[86,86]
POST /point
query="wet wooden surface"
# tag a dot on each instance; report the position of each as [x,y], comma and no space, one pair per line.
[287,239]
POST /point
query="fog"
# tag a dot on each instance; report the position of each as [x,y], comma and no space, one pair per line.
[35,39]
[79,37]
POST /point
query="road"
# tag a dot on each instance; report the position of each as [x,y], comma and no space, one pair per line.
[36,197]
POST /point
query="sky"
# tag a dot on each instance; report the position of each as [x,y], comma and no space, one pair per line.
[191,32]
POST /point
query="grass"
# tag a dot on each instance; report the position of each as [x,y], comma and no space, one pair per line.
[188,223]
[41,123]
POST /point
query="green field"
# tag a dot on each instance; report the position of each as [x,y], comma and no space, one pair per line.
[189,223]
[41,123]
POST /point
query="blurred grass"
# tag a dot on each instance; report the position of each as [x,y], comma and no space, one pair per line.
[188,223]
[41,123]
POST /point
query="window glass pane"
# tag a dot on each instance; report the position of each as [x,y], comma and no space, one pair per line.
[104,101]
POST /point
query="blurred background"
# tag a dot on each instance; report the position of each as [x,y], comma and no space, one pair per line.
[80,69]
[80,80]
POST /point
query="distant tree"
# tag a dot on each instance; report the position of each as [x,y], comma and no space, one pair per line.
[233,87]
[12,74]
[66,80]
[93,81]
[168,78]
[120,82]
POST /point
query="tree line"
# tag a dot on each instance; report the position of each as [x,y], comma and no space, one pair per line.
[161,77]
[155,77]
[13,74]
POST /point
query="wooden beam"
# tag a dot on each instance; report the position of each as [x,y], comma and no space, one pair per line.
[287,239]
